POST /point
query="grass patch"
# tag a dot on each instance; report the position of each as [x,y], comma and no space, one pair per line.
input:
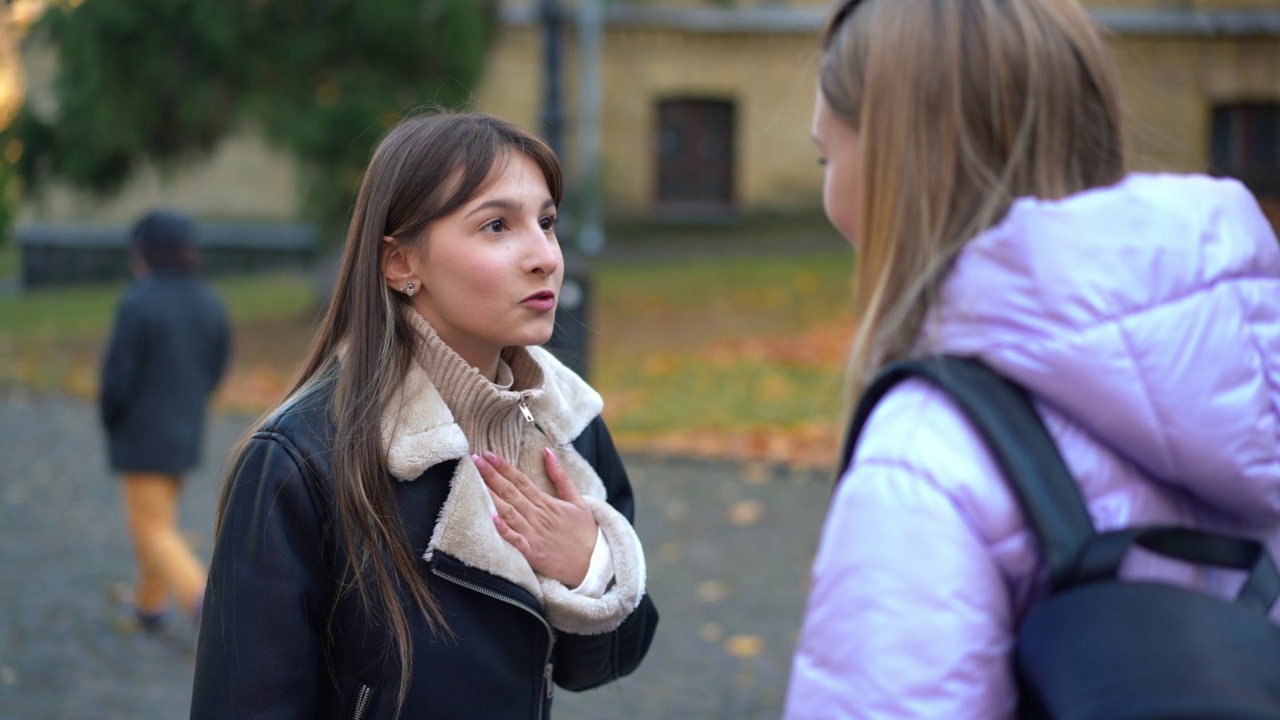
[9,259]
[719,356]
[51,340]
[701,299]
[756,235]
[84,312]
[272,298]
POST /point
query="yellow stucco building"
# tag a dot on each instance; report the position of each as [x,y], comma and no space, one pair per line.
[705,107]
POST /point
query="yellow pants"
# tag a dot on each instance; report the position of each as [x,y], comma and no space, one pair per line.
[166,565]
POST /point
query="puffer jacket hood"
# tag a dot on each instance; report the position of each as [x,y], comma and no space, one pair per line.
[1180,376]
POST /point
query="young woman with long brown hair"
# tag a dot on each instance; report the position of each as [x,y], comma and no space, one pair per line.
[975,160]
[435,523]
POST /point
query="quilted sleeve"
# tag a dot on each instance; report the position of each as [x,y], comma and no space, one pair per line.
[908,616]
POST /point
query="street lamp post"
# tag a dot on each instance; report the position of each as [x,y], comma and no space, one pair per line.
[552,53]
[569,340]
[590,193]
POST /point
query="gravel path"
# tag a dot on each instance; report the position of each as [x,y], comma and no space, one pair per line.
[729,550]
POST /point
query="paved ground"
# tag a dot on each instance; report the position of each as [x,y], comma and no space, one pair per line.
[729,550]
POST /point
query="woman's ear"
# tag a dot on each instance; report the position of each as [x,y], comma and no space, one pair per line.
[396,267]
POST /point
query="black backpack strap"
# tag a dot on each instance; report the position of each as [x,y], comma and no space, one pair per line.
[1003,415]
[1102,558]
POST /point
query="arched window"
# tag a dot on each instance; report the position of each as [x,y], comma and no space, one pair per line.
[695,156]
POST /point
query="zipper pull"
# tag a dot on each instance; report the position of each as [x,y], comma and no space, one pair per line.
[528,416]
[546,675]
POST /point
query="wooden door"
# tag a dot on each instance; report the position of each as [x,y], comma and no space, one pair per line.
[695,157]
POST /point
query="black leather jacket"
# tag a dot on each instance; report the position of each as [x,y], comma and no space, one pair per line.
[273,644]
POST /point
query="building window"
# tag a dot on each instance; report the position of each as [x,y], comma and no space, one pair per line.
[695,157]
[1246,145]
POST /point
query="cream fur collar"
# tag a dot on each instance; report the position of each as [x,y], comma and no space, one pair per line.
[419,431]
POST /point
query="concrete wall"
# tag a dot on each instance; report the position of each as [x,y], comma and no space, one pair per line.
[242,179]
[1171,86]
[769,78]
[1171,82]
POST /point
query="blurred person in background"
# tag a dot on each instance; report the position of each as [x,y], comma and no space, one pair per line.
[168,350]
[435,522]
[974,159]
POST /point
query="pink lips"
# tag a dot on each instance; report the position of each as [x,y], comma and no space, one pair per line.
[541,301]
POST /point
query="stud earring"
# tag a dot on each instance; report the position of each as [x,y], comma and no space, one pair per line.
[407,289]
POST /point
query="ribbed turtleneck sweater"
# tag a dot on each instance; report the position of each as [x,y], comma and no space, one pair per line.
[489,416]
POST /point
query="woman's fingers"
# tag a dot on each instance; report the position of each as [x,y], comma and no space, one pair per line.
[509,502]
[518,488]
[555,534]
[516,539]
[508,514]
[560,479]
[499,463]
[498,475]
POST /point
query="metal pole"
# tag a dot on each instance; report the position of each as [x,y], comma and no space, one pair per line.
[569,340]
[590,32]
[552,112]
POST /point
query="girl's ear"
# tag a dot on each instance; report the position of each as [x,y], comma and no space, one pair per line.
[396,267]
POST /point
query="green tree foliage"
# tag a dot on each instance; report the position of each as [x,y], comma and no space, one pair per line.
[164,80]
[10,182]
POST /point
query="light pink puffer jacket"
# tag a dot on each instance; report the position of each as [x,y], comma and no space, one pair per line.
[1145,318]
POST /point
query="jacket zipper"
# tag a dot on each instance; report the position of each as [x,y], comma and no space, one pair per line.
[524,410]
[551,636]
[547,669]
[528,417]
[362,702]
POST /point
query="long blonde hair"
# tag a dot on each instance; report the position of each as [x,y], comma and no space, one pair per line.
[961,107]
[425,168]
